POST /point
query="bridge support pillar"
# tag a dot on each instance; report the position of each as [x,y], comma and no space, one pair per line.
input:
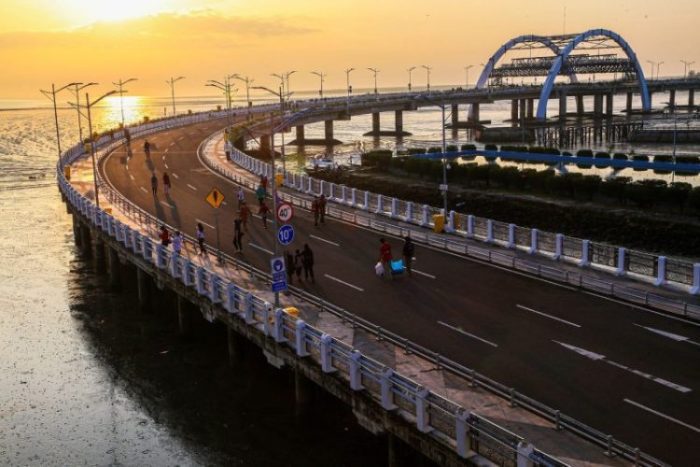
[77,234]
[398,122]
[523,111]
[530,109]
[302,392]
[184,318]
[300,135]
[329,130]
[98,251]
[691,98]
[474,113]
[650,99]
[375,123]
[562,107]
[629,103]
[580,108]
[113,267]
[609,101]
[265,142]
[235,347]
[597,104]
[514,112]
[672,100]
[455,115]
[142,287]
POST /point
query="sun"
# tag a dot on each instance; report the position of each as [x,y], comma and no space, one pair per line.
[91,11]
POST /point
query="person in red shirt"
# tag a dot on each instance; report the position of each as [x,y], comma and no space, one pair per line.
[164,236]
[385,257]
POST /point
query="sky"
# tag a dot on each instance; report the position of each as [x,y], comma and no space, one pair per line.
[62,41]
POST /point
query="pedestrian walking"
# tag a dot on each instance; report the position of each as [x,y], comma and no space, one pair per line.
[316,209]
[166,183]
[289,263]
[154,184]
[298,261]
[238,235]
[244,214]
[322,208]
[307,262]
[241,196]
[260,194]
[200,238]
[263,211]
[385,257]
[147,148]
[177,242]
[408,250]
[164,236]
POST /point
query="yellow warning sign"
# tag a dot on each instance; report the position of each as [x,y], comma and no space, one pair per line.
[215,198]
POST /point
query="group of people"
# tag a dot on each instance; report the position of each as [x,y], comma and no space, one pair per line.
[386,257]
[302,260]
[166,184]
[318,208]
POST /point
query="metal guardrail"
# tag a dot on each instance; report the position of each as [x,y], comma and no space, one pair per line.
[468,430]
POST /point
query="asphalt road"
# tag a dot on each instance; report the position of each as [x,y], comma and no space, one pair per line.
[619,368]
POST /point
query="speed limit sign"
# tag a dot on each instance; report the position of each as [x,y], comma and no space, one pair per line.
[285,212]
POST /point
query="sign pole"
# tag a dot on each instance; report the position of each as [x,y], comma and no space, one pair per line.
[218,237]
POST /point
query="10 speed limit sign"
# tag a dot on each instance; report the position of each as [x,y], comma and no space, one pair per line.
[285,212]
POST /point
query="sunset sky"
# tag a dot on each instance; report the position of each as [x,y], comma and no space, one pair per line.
[44,41]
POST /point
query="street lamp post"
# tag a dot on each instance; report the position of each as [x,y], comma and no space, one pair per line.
[653,65]
[427,70]
[658,69]
[466,71]
[410,70]
[347,84]
[375,71]
[79,87]
[120,84]
[247,82]
[171,82]
[444,150]
[284,80]
[52,97]
[89,105]
[321,76]
[686,64]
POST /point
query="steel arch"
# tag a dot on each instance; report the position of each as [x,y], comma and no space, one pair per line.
[566,51]
[488,68]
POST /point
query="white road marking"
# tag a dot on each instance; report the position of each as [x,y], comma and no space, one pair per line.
[224,203]
[256,216]
[132,177]
[662,415]
[175,175]
[423,273]
[181,138]
[548,316]
[162,158]
[261,248]
[143,189]
[192,187]
[172,144]
[360,289]
[166,166]
[670,335]
[600,357]
[324,240]
[165,151]
[202,222]
[462,331]
[166,204]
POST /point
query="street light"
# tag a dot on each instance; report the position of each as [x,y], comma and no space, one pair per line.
[466,70]
[444,150]
[347,83]
[284,79]
[427,69]
[120,84]
[322,76]
[226,88]
[653,64]
[375,71]
[79,87]
[52,97]
[247,82]
[171,82]
[658,69]
[686,64]
[410,70]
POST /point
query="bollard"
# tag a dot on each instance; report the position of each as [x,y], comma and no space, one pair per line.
[300,339]
[355,371]
[230,304]
[450,222]
[331,191]
[585,253]
[660,271]
[409,211]
[186,279]
[394,202]
[470,226]
[387,396]
[353,197]
[525,450]
[322,187]
[533,241]
[343,194]
[380,205]
[422,417]
[278,331]
[558,246]
[426,216]
[511,236]
[461,433]
[620,271]
[366,204]
[489,231]
[326,351]
[695,289]
[248,309]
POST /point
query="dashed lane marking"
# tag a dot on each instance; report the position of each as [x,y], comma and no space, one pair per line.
[669,335]
[333,278]
[175,175]
[143,189]
[522,307]
[258,247]
[208,225]
[662,415]
[132,177]
[166,166]
[421,273]
[166,204]
[324,240]
[192,187]
[465,333]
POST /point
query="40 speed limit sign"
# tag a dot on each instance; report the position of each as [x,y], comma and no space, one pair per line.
[285,212]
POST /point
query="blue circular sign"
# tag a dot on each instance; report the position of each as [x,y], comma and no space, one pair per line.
[285,234]
[277,265]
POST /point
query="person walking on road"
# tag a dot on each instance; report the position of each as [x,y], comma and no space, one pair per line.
[307,261]
[244,214]
[241,197]
[263,211]
[147,148]
[154,184]
[315,208]
[408,250]
[164,236]
[385,257]
[200,238]
[322,208]
[298,261]
[237,235]
[166,183]
[177,242]
[260,194]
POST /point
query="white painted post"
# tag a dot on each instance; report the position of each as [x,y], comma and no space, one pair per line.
[186,272]
[409,211]
[385,382]
[451,222]
[426,216]
[322,187]
[470,226]
[558,246]
[310,188]
[325,349]
[148,249]
[215,288]
[393,207]
[422,418]
[174,258]
[199,281]
[511,236]
[660,271]
[533,241]
[366,204]
[461,432]
[585,253]
[230,304]
[355,371]
[343,195]
[278,331]
[620,271]
[248,309]
[300,339]
[353,197]
[160,257]
[489,231]
[695,289]
[331,191]
[380,205]
[267,314]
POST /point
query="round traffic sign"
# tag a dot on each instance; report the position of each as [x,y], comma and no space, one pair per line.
[277,264]
[285,212]
[285,234]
